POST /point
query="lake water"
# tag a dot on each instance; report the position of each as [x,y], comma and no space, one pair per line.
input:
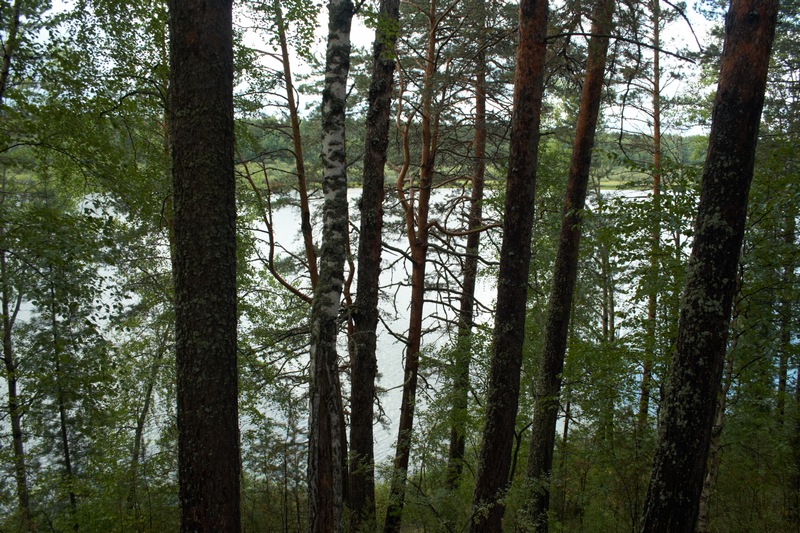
[396,293]
[395,302]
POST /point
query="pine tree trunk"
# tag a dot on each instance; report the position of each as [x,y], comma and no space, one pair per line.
[418,230]
[14,408]
[794,478]
[509,331]
[562,508]
[787,308]
[715,447]
[655,235]
[61,401]
[466,314]
[785,312]
[297,144]
[9,358]
[325,453]
[141,419]
[691,396]
[365,316]
[202,139]
[20,469]
[548,386]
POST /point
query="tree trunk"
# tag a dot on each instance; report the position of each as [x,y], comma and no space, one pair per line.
[794,480]
[466,314]
[14,408]
[787,347]
[655,235]
[692,392]
[300,167]
[141,419]
[785,313]
[418,230]
[515,254]
[202,138]
[61,401]
[608,326]
[548,386]
[716,436]
[325,475]
[364,366]
[562,509]
[9,47]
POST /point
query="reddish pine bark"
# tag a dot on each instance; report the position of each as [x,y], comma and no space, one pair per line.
[655,235]
[466,312]
[509,332]
[418,232]
[691,397]
[548,386]
[297,145]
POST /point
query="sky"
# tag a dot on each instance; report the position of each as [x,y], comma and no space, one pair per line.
[677,34]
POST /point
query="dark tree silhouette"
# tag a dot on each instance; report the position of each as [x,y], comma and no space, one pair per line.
[365,315]
[201,134]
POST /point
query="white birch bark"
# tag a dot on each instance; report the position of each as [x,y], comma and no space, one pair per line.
[325,475]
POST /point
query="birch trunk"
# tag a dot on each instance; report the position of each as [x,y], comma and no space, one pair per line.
[325,453]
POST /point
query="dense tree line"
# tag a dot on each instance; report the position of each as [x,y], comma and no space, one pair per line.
[173,361]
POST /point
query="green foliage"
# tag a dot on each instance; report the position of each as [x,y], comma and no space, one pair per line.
[85,221]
